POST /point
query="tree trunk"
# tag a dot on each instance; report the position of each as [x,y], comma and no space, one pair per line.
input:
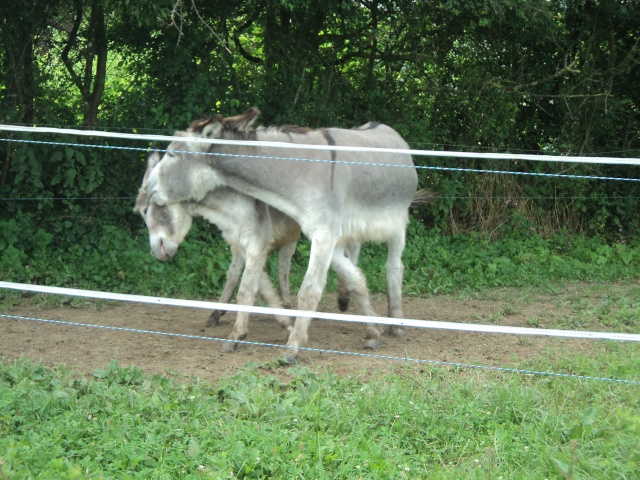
[95,53]
[19,76]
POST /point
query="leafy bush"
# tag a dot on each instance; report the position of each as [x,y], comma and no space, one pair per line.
[108,257]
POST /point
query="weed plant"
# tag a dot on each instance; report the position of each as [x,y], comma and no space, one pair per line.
[411,423]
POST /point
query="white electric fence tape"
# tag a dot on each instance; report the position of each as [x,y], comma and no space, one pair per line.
[466,327]
[430,153]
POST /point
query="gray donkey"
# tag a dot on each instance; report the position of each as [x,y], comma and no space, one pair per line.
[336,201]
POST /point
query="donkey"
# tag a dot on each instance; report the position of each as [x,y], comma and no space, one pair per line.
[252,230]
[336,201]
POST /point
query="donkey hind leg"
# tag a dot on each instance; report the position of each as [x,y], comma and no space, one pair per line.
[249,287]
[233,277]
[273,300]
[311,291]
[284,268]
[395,269]
[356,285]
[352,252]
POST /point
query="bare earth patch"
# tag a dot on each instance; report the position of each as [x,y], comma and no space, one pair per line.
[86,349]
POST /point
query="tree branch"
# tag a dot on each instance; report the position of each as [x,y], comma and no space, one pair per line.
[100,43]
[236,40]
[213,32]
[568,68]
[174,13]
[70,41]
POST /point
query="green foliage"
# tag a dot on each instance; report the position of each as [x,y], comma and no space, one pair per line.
[435,263]
[116,375]
[415,423]
[112,258]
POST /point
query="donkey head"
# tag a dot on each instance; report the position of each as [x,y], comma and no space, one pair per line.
[168,225]
[185,173]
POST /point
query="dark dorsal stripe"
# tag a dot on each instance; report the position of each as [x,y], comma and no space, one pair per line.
[330,141]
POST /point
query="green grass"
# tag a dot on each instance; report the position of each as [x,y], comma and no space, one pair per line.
[600,306]
[406,423]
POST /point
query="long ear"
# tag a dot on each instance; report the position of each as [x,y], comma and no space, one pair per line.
[207,128]
[152,160]
[142,201]
[242,122]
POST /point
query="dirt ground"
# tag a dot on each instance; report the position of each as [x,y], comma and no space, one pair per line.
[86,349]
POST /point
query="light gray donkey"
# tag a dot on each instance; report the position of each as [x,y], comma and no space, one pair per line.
[336,201]
[251,228]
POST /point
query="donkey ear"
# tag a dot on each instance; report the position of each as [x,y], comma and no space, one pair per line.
[212,129]
[244,121]
[206,127]
[152,160]
[142,202]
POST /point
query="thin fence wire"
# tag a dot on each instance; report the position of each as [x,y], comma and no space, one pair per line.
[327,351]
[368,164]
[57,199]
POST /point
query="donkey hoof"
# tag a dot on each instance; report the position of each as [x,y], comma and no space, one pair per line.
[372,344]
[396,332]
[289,358]
[343,304]
[214,318]
[228,347]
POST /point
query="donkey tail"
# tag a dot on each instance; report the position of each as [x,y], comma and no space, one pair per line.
[423,196]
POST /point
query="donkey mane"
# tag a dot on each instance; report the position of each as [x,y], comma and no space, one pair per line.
[291,129]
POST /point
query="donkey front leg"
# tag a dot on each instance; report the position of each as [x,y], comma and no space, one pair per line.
[233,277]
[313,284]
[249,285]
[395,270]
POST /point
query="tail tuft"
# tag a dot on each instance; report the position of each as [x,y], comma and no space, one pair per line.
[423,196]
